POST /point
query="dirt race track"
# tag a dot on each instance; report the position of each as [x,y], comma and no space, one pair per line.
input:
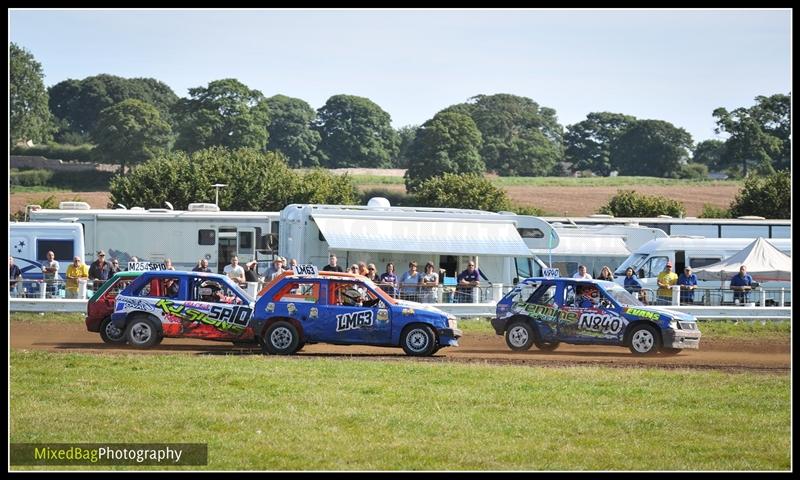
[739,355]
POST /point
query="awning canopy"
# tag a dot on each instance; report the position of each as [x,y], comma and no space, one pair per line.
[422,236]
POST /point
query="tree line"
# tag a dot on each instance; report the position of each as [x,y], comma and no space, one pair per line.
[132,120]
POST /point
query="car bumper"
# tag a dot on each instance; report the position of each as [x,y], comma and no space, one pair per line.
[93,324]
[499,325]
[681,338]
[448,336]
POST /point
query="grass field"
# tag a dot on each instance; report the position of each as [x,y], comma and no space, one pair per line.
[559,181]
[275,413]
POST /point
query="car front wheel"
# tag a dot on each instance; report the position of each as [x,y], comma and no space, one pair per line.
[281,338]
[519,336]
[111,334]
[142,332]
[644,340]
[419,341]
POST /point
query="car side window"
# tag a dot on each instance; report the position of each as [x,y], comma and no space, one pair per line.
[544,295]
[570,299]
[299,292]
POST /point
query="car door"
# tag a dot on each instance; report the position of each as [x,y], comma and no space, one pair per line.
[367,323]
[600,323]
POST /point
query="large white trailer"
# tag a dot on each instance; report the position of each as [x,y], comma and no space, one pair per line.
[378,233]
[28,244]
[202,231]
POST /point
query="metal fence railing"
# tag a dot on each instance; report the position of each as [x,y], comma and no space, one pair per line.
[713,297]
[58,288]
[449,294]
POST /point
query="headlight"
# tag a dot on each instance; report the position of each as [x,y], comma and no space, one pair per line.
[673,324]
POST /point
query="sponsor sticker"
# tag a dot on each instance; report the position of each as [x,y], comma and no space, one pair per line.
[354,320]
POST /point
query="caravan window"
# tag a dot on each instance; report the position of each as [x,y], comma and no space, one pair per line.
[246,242]
[530,233]
[206,237]
[697,262]
[64,250]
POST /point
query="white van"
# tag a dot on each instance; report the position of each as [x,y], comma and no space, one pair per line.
[29,243]
[650,259]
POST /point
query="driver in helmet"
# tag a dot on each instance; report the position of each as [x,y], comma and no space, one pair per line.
[352,297]
[212,292]
[589,297]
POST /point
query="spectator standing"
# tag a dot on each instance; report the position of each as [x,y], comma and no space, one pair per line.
[741,284]
[77,270]
[606,274]
[332,265]
[409,282]
[202,266]
[14,277]
[353,269]
[362,269]
[235,271]
[388,280]
[372,274]
[582,273]
[666,279]
[99,270]
[688,282]
[428,283]
[50,272]
[275,269]
[631,282]
[292,264]
[115,268]
[251,272]
[168,264]
[467,281]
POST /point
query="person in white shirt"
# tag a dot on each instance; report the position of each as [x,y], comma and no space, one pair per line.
[581,273]
[235,271]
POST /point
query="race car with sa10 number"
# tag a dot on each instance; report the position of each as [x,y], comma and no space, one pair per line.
[547,311]
[168,303]
[345,309]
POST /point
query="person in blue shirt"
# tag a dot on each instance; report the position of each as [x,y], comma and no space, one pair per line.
[741,285]
[467,280]
[688,282]
[631,282]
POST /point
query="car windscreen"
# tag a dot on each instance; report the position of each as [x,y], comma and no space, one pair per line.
[622,296]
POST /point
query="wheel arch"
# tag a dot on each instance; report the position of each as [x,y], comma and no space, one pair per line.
[626,339]
[272,320]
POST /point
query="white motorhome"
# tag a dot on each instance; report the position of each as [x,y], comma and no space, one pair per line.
[202,231]
[650,259]
[30,242]
[595,246]
[378,233]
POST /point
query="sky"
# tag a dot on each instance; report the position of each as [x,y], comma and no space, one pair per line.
[673,65]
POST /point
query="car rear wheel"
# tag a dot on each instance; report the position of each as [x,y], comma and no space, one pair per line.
[519,336]
[419,341]
[281,338]
[644,340]
[142,332]
[111,334]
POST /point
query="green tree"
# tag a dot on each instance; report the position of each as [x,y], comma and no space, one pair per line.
[447,143]
[257,181]
[226,113]
[710,154]
[759,135]
[470,190]
[356,132]
[588,143]
[290,131]
[519,136]
[628,203]
[29,117]
[767,196]
[407,135]
[77,104]
[130,132]
[652,148]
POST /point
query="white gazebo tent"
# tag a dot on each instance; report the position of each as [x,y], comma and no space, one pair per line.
[763,261]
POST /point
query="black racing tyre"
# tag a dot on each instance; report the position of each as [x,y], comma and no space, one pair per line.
[418,341]
[142,332]
[546,346]
[671,351]
[111,334]
[520,336]
[644,340]
[281,338]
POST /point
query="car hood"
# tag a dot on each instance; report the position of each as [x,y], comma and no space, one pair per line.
[670,313]
[420,306]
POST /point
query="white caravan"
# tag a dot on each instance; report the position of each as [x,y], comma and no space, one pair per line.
[29,243]
[202,231]
[378,233]
[650,259]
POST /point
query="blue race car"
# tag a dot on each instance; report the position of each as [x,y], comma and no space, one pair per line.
[547,311]
[345,309]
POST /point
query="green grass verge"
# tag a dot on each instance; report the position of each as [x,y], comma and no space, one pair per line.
[562,181]
[275,413]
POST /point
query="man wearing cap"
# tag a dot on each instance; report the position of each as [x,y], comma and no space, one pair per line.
[99,270]
[666,280]
[275,269]
[688,282]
